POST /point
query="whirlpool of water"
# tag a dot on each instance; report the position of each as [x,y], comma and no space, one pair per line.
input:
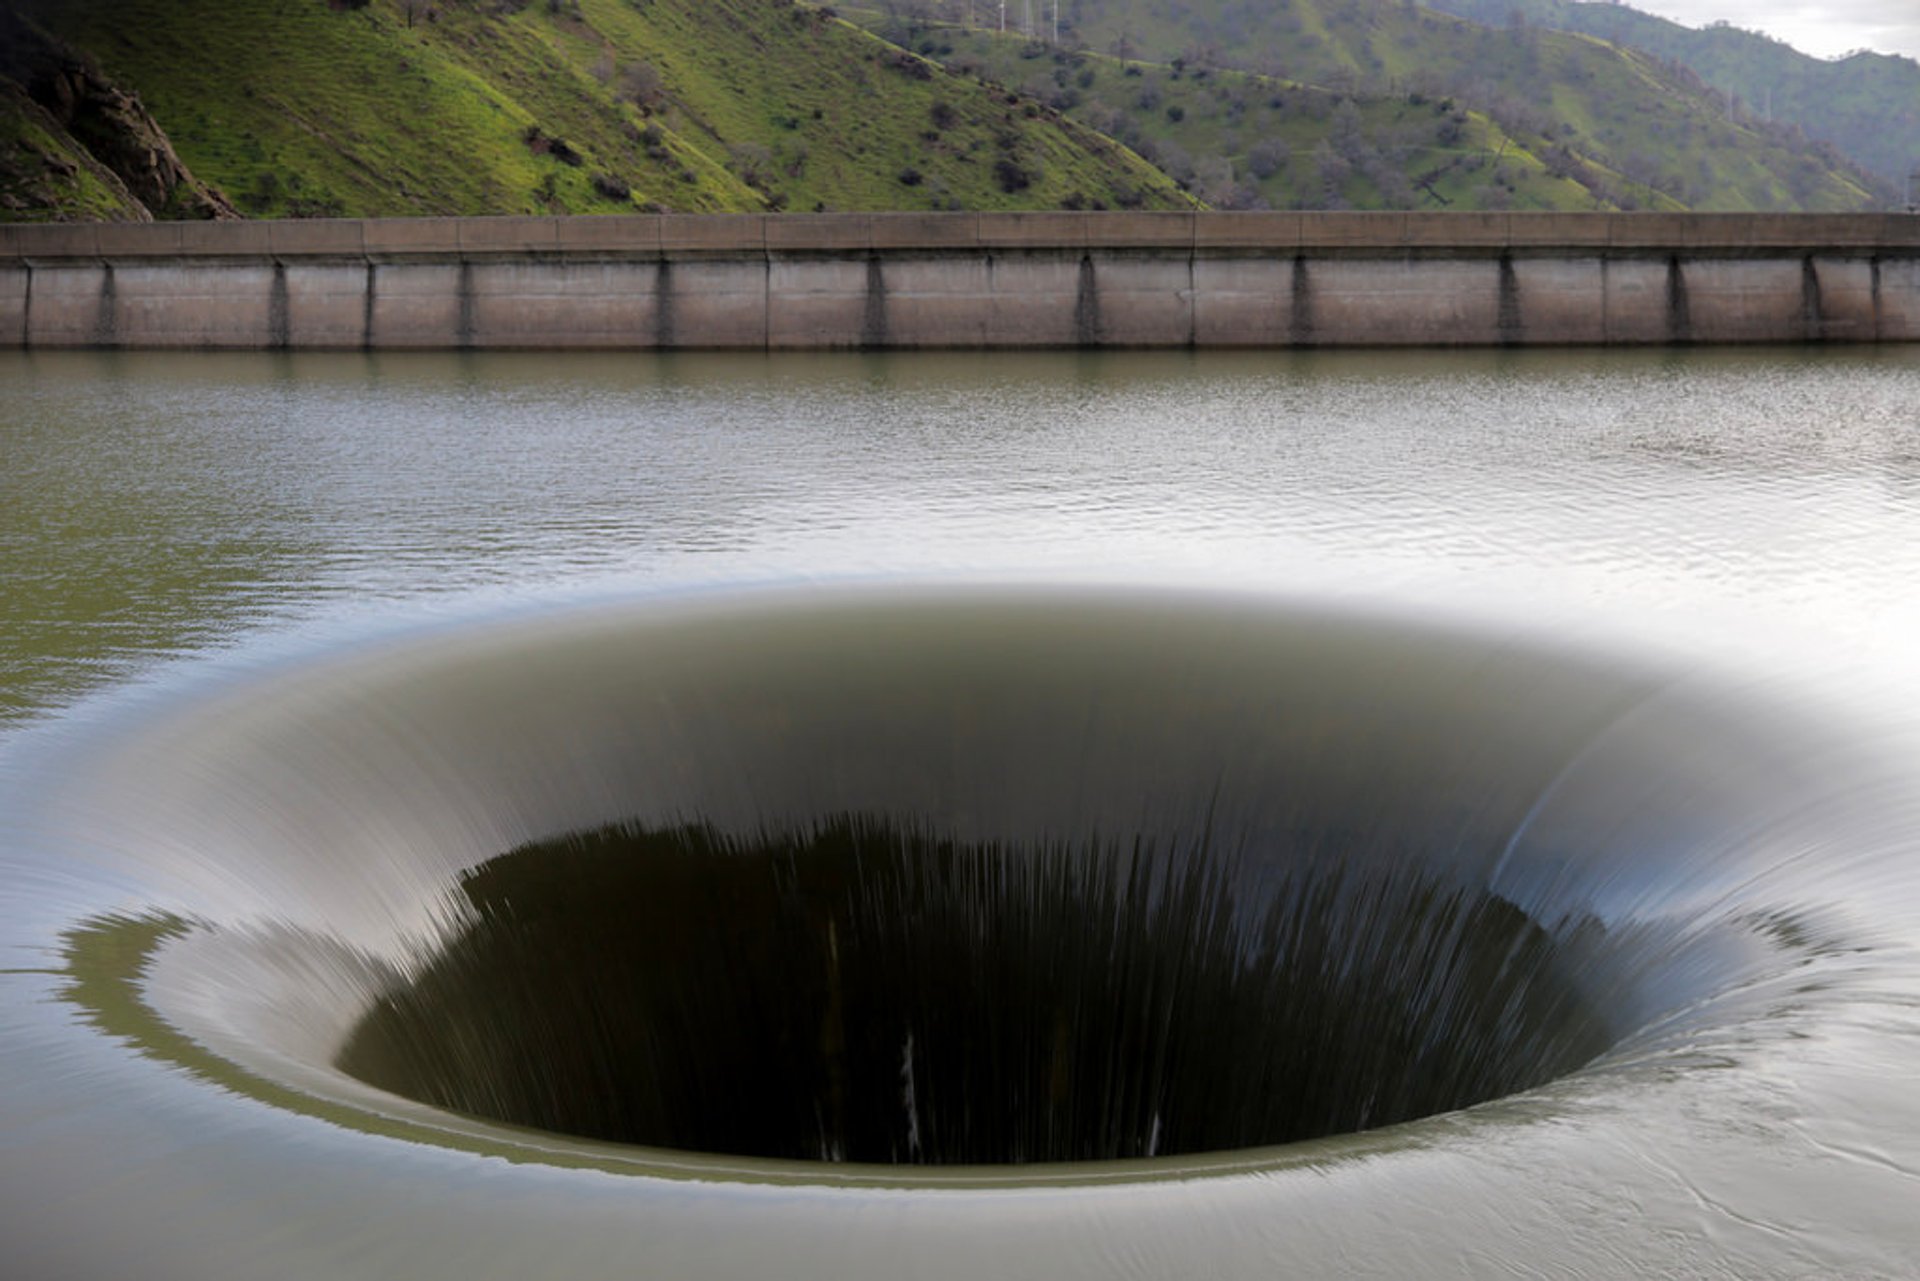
[1050,924]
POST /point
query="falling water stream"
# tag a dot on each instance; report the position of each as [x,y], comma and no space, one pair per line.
[1041,815]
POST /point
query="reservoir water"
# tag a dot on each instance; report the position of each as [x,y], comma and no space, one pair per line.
[1140,814]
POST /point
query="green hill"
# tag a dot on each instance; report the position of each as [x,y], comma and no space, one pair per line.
[390,107]
[1867,104]
[279,108]
[75,145]
[1614,109]
[1239,140]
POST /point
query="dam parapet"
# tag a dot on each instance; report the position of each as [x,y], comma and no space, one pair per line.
[965,280]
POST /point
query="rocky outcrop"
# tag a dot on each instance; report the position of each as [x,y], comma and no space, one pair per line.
[47,176]
[106,121]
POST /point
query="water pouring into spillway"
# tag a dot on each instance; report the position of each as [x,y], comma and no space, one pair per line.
[707,927]
[864,993]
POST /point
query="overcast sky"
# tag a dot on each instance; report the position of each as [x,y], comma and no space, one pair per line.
[1824,28]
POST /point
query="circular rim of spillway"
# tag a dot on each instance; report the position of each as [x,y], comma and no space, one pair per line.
[116,959]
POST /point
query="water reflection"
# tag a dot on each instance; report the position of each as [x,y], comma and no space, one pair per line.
[160,503]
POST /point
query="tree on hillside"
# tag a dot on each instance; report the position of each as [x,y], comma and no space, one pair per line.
[1348,135]
[1268,157]
[1213,181]
[642,84]
[1333,170]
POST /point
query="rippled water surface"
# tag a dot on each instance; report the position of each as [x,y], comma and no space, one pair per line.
[1142,755]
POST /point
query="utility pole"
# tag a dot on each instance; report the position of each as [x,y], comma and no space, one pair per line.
[1913,181]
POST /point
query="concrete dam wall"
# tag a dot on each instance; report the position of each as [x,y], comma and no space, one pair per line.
[790,281]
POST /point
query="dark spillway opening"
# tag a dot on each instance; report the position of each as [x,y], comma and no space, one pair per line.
[984,877]
[865,989]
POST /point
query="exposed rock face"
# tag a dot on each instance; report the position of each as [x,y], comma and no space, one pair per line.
[107,121]
[46,175]
[111,124]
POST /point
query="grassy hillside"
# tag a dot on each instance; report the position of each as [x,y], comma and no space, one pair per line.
[368,107]
[1614,109]
[1240,140]
[304,108]
[1867,104]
